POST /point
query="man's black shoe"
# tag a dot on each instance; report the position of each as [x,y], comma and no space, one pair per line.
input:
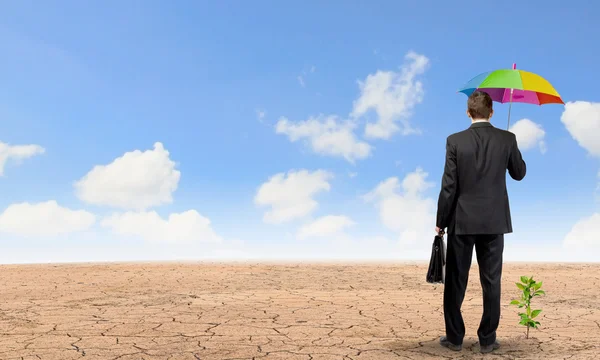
[446,343]
[489,348]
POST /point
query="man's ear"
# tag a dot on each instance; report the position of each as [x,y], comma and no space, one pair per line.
[468,114]
[491,113]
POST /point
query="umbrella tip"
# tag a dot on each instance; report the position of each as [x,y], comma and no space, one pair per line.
[514,66]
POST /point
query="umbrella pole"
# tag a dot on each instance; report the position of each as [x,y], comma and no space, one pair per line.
[509,107]
[514,67]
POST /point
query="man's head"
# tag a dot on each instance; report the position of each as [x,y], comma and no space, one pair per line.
[479,106]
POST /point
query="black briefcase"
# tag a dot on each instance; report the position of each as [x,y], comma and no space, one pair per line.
[437,264]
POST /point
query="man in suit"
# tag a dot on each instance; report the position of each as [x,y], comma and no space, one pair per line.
[473,206]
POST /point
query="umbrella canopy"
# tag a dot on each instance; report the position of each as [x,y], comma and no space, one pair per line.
[514,86]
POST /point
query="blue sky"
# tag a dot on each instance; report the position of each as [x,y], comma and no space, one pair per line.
[211,81]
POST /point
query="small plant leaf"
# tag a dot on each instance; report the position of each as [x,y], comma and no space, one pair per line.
[532,324]
[537,285]
[515,302]
[524,279]
[535,313]
[541,292]
[520,286]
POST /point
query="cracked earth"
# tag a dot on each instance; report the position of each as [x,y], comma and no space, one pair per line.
[270,311]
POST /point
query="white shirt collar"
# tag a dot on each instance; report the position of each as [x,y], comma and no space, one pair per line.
[479,120]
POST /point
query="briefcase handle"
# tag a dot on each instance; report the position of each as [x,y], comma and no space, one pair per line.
[442,233]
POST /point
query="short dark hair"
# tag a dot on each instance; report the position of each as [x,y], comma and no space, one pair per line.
[479,105]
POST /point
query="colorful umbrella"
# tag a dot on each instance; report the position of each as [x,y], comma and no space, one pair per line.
[513,86]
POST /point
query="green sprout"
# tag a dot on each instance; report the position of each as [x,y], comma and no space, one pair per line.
[530,288]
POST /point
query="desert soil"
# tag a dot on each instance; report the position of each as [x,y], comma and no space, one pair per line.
[278,311]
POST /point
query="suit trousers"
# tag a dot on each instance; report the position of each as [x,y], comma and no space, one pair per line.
[489,249]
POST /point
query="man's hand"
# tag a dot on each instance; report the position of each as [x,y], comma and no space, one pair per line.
[438,230]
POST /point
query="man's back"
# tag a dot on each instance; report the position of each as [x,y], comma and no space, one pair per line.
[481,155]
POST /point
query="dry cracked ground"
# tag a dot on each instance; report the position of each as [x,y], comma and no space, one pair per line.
[277,311]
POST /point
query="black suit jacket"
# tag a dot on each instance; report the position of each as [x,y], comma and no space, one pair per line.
[473,199]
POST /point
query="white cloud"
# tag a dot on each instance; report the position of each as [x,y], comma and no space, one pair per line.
[17,153]
[290,195]
[410,213]
[585,233]
[352,174]
[328,225]
[185,227]
[582,120]
[43,219]
[260,114]
[305,73]
[326,135]
[137,180]
[529,135]
[392,95]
